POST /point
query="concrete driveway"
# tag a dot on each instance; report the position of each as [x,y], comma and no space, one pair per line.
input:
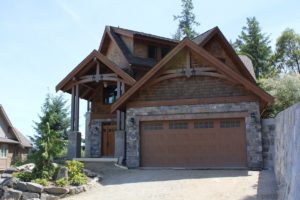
[182,184]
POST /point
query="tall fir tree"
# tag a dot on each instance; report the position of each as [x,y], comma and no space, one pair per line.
[255,44]
[50,139]
[187,21]
[287,53]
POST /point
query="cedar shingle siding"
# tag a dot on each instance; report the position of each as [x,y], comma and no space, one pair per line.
[192,88]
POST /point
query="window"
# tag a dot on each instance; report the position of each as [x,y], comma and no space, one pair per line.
[110,94]
[203,124]
[152,126]
[222,59]
[152,51]
[3,150]
[178,125]
[165,51]
[230,123]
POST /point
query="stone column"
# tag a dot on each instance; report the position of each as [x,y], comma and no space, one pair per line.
[74,144]
[87,151]
[119,144]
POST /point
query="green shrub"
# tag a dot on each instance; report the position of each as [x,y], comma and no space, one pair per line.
[61,182]
[78,179]
[23,176]
[74,167]
[41,181]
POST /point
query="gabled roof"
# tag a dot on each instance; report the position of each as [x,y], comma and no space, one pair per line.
[220,66]
[22,140]
[95,54]
[205,37]
[115,33]
[133,33]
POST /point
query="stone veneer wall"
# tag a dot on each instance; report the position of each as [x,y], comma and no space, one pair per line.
[287,153]
[253,127]
[268,134]
[94,138]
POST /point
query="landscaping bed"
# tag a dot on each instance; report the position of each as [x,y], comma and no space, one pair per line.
[72,179]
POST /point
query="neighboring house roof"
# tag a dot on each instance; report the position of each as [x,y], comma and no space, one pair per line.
[220,66]
[22,140]
[89,58]
[248,63]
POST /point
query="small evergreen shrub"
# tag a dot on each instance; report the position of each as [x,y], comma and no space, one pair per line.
[41,181]
[23,176]
[61,182]
[76,177]
[79,179]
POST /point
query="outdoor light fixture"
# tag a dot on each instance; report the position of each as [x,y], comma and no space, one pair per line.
[253,116]
[105,84]
[132,120]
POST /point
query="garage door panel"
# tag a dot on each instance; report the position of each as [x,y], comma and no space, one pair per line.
[194,143]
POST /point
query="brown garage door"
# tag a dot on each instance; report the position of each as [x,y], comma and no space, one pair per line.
[213,143]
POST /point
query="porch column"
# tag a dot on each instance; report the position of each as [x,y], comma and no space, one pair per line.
[74,136]
[120,132]
[87,150]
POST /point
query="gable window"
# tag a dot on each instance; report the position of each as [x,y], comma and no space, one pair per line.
[3,150]
[165,51]
[109,94]
[152,51]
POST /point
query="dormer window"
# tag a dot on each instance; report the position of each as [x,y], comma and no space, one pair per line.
[165,51]
[222,59]
[152,51]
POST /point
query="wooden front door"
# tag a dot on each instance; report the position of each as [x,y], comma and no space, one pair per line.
[108,139]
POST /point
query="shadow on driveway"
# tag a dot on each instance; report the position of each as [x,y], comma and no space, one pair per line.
[122,176]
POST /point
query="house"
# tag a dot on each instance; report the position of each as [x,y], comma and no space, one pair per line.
[13,144]
[158,102]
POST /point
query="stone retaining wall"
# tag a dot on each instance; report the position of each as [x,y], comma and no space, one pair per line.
[252,121]
[287,153]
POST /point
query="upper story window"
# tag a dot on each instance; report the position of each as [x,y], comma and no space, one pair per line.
[109,94]
[165,51]
[152,51]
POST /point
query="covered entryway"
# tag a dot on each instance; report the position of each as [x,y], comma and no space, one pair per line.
[213,143]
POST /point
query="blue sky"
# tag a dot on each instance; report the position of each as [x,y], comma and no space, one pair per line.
[42,41]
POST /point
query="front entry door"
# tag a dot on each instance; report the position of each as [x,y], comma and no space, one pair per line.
[108,139]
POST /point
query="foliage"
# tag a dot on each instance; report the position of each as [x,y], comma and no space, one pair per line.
[286,91]
[61,182]
[256,45]
[187,20]
[49,140]
[74,167]
[287,53]
[76,177]
[41,181]
[23,176]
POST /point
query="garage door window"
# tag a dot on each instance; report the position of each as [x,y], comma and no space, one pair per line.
[178,125]
[150,126]
[230,123]
[203,124]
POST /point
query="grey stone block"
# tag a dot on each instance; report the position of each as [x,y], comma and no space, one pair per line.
[56,190]
[11,194]
[34,187]
[30,195]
